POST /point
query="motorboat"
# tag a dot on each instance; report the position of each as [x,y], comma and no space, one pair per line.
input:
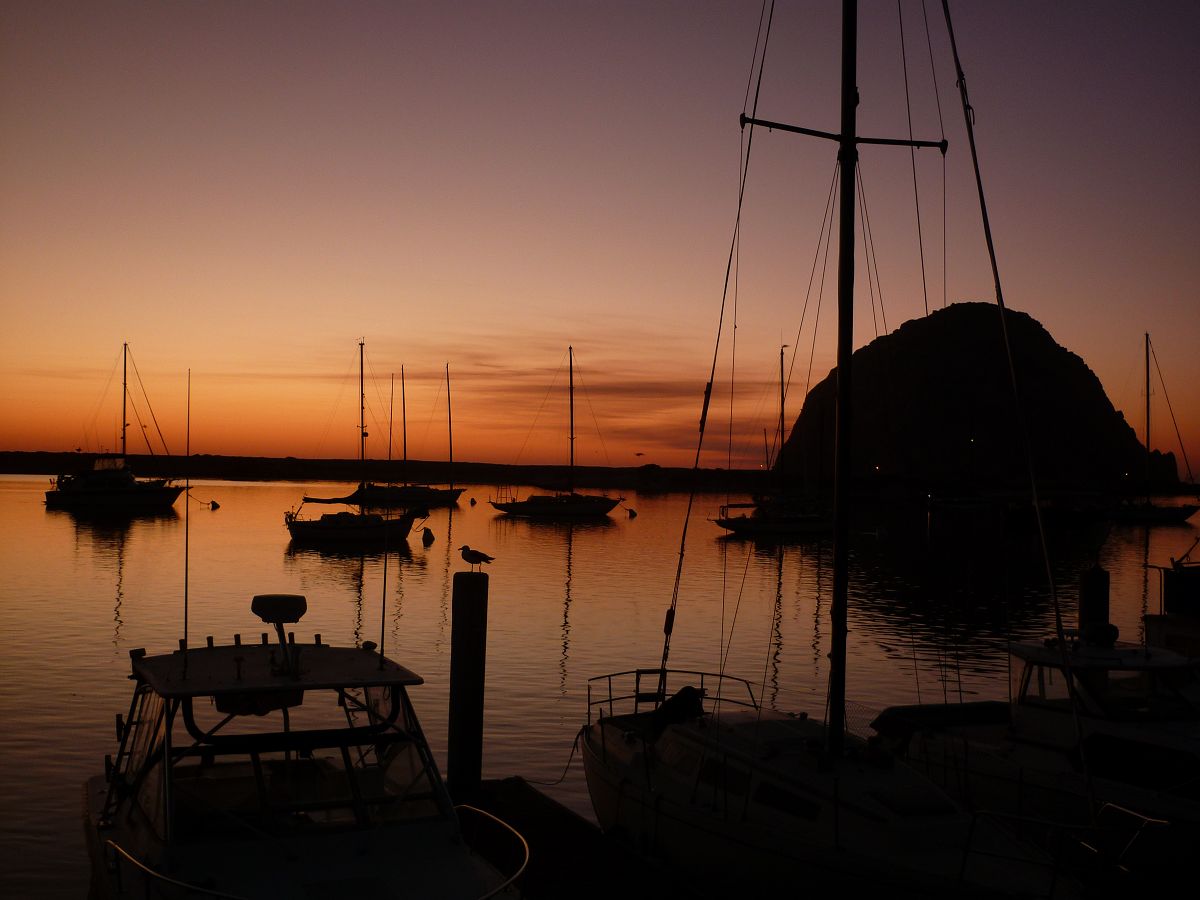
[280,768]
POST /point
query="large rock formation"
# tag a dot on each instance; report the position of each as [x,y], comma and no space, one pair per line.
[934,411]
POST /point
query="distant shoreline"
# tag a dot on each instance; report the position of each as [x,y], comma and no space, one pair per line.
[649,477]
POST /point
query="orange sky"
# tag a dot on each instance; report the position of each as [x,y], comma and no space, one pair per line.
[246,189]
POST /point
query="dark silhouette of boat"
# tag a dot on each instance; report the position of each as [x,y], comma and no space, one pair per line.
[281,769]
[110,487]
[567,504]
[346,528]
[1144,511]
[692,767]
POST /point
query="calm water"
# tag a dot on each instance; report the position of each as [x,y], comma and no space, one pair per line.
[566,603]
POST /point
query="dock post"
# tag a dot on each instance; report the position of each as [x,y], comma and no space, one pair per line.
[468,657]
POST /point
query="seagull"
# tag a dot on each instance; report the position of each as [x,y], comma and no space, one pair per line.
[475,557]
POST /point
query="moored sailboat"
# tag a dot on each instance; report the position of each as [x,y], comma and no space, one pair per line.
[346,528]
[110,487]
[1145,511]
[408,495]
[694,770]
[568,504]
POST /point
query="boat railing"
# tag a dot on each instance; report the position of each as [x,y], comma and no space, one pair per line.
[635,689]
[154,885]
[502,858]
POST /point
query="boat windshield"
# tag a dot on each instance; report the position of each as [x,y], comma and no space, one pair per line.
[1143,695]
[278,770]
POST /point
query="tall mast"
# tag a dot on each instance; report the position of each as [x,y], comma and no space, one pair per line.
[848,141]
[847,164]
[124,393]
[450,426]
[571,395]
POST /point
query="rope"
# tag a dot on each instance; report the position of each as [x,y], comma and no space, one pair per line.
[574,746]
[149,409]
[1072,688]
[874,282]
[912,155]
[1178,436]
[937,96]
[669,622]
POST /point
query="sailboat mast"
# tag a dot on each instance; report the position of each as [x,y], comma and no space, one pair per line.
[124,393]
[403,424]
[450,426]
[847,164]
[571,396]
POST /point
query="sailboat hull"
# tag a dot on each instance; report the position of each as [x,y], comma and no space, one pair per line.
[559,506]
[111,488]
[347,528]
[701,799]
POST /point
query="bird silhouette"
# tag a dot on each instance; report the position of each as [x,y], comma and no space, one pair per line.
[426,536]
[475,557]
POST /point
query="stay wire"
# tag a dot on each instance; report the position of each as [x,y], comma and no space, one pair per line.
[937,97]
[1059,630]
[912,154]
[824,236]
[669,622]
[149,409]
[1174,423]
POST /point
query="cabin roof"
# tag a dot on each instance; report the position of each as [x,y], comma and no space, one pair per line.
[252,668]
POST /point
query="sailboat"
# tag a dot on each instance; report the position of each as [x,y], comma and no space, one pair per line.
[780,515]
[110,487]
[346,528]
[1145,511]
[568,504]
[412,495]
[693,770]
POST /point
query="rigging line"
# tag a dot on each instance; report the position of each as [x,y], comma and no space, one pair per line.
[541,408]
[912,154]
[937,96]
[580,386]
[149,409]
[1178,436]
[872,256]
[823,236]
[141,425]
[1060,633]
[864,226]
[669,621]
[95,429]
[337,402]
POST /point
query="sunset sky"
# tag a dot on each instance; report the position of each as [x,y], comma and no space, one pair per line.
[247,189]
